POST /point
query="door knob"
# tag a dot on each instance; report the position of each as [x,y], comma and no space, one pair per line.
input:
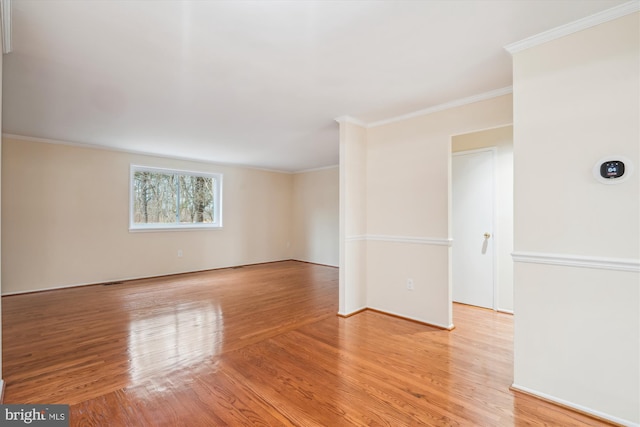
[487,235]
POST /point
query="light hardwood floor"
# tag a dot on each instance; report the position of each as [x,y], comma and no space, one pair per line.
[258,345]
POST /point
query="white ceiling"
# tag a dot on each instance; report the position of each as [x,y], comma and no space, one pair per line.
[255,83]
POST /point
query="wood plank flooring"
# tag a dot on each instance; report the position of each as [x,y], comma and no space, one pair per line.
[258,345]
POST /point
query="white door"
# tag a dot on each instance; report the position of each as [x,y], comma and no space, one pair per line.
[473,242]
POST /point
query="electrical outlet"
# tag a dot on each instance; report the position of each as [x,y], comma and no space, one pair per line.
[179,253]
[410,284]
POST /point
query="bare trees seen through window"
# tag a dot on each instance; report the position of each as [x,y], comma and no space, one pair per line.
[166,198]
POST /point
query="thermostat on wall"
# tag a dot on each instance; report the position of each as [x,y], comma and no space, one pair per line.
[612,169]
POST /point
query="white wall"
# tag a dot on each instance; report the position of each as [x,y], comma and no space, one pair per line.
[502,139]
[316,216]
[403,169]
[65,215]
[353,218]
[577,329]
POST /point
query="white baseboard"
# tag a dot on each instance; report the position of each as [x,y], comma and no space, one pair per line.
[352,312]
[132,278]
[399,316]
[579,408]
[414,319]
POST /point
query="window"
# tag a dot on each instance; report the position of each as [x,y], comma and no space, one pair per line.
[172,199]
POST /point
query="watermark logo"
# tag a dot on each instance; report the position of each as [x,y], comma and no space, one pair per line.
[34,415]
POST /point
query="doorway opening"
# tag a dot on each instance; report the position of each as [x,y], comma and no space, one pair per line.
[473,213]
[481,218]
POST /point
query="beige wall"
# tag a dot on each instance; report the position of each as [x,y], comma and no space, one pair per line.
[577,329]
[408,188]
[400,171]
[353,218]
[315,227]
[502,139]
[65,217]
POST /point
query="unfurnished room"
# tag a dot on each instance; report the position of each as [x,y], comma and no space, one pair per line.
[320,213]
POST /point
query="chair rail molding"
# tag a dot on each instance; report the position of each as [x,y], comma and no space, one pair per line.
[569,260]
[433,241]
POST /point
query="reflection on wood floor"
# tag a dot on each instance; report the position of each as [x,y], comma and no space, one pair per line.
[258,345]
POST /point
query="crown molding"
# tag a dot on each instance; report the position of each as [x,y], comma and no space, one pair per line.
[322,168]
[5,14]
[575,26]
[138,152]
[434,109]
[352,120]
[446,106]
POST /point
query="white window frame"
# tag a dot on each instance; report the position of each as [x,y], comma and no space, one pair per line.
[177,226]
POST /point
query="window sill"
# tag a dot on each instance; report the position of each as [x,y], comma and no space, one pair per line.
[155,228]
